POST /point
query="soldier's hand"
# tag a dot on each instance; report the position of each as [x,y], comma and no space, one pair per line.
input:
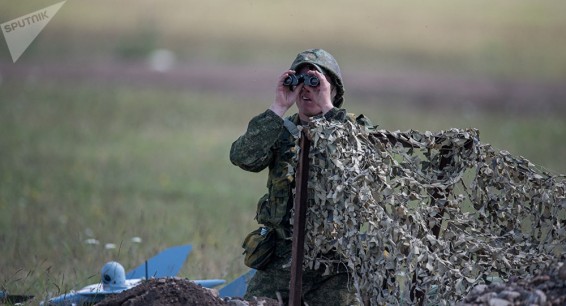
[284,96]
[323,92]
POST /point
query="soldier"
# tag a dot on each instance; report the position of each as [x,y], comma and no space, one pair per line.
[317,90]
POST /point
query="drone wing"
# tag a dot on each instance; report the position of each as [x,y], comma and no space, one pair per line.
[168,263]
[238,286]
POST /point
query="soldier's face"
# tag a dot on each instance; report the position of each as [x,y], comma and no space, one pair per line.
[308,100]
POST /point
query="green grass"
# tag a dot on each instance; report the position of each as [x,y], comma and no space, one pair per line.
[115,164]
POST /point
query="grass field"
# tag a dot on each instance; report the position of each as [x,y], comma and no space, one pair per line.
[114,162]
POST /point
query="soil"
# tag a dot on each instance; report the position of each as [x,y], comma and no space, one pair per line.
[176,291]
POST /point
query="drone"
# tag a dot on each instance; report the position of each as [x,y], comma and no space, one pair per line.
[114,279]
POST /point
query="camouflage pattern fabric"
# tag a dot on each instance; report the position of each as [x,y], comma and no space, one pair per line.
[268,144]
[424,217]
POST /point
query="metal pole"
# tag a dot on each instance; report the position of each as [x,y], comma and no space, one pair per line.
[302,177]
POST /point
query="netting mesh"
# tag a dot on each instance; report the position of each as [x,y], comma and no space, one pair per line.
[426,216]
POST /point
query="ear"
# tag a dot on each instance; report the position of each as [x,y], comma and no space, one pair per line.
[333,92]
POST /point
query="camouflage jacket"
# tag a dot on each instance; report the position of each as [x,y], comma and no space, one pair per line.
[267,143]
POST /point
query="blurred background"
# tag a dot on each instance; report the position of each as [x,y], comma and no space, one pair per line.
[116,122]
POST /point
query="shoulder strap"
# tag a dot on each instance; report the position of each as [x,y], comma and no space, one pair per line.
[291,127]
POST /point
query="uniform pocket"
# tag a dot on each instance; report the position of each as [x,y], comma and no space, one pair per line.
[259,247]
[279,198]
[263,212]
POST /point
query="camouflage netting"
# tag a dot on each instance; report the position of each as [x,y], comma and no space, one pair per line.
[426,216]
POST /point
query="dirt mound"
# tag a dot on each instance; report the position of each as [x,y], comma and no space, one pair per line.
[175,291]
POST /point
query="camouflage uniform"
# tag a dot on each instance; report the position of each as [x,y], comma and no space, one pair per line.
[268,143]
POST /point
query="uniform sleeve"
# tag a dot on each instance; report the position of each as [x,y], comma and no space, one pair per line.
[253,150]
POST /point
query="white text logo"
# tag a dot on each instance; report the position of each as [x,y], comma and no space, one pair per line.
[20,32]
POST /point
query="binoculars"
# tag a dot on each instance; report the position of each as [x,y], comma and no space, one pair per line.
[294,80]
